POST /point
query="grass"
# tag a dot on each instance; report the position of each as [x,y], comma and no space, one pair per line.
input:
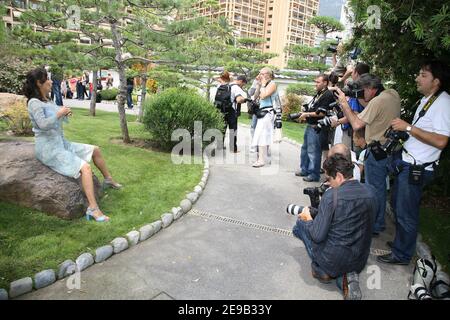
[435,230]
[292,130]
[31,241]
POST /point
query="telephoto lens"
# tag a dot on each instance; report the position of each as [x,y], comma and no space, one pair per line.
[294,209]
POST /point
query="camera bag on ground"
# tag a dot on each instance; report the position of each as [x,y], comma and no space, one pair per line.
[440,288]
[423,276]
[222,101]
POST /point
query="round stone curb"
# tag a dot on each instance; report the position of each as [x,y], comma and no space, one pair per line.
[84,261]
[68,267]
[3,294]
[44,279]
[103,253]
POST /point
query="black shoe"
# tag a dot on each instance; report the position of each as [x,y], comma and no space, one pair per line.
[309,179]
[391,259]
[300,174]
[390,244]
[375,234]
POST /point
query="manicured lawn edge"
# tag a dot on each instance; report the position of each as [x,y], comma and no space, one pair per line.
[85,260]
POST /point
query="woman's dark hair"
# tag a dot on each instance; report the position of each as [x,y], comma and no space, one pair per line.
[30,87]
[338,163]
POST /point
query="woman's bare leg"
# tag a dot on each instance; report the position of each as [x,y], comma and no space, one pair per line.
[88,187]
[100,162]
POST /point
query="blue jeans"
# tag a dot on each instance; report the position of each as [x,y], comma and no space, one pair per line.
[56,92]
[311,154]
[407,202]
[129,99]
[375,174]
[300,232]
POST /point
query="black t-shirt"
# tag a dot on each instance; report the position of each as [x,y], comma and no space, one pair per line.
[322,99]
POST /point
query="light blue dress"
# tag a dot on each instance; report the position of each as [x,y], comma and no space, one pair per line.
[51,148]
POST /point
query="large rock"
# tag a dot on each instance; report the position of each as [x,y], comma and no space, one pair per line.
[9,99]
[27,182]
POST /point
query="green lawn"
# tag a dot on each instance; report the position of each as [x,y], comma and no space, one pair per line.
[435,230]
[292,130]
[32,241]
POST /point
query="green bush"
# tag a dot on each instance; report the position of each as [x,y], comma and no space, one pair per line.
[292,103]
[301,89]
[178,108]
[109,94]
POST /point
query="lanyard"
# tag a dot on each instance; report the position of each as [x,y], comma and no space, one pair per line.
[316,98]
[428,105]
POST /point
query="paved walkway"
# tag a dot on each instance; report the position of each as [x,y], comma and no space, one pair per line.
[236,243]
[110,106]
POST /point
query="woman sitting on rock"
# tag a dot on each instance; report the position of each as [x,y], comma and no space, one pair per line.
[52,149]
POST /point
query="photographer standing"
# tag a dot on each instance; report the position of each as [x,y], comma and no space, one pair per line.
[429,134]
[338,238]
[383,107]
[311,152]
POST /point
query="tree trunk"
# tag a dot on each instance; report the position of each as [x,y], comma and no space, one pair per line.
[94,93]
[143,93]
[117,39]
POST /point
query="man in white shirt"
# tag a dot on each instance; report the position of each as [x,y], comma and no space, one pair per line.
[238,96]
[428,136]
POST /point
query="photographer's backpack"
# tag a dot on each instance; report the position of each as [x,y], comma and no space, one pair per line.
[222,101]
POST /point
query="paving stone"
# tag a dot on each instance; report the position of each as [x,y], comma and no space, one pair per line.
[66,268]
[146,232]
[167,219]
[44,278]
[133,237]
[119,244]
[20,287]
[84,261]
[103,253]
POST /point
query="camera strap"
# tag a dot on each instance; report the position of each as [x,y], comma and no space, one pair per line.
[427,105]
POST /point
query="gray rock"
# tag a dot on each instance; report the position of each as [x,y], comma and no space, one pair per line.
[3,294]
[204,180]
[192,197]
[146,232]
[84,261]
[177,213]
[167,219]
[202,184]
[133,237]
[20,287]
[198,190]
[66,268]
[119,244]
[103,253]
[157,225]
[186,205]
[27,182]
[44,278]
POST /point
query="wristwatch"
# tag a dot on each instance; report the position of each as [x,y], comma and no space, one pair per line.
[408,129]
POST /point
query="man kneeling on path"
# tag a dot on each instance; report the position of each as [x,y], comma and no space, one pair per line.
[338,238]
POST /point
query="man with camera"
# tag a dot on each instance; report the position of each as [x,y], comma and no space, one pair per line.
[383,107]
[311,152]
[428,136]
[355,102]
[337,238]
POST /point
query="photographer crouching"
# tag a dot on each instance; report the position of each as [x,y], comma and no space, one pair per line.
[338,238]
[414,167]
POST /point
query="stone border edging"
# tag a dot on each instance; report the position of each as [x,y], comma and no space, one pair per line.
[119,244]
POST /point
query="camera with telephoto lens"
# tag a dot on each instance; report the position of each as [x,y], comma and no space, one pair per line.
[294,116]
[394,140]
[252,106]
[332,110]
[314,193]
[353,90]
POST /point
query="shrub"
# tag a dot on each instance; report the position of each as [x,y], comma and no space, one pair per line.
[17,119]
[301,89]
[292,103]
[109,94]
[178,108]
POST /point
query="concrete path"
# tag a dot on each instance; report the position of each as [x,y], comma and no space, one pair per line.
[103,106]
[236,243]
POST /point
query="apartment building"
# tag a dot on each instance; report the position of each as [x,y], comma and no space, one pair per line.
[280,22]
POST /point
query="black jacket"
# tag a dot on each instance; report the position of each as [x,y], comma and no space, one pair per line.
[341,241]
[320,101]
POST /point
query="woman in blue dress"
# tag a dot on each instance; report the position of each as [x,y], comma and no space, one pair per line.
[52,149]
